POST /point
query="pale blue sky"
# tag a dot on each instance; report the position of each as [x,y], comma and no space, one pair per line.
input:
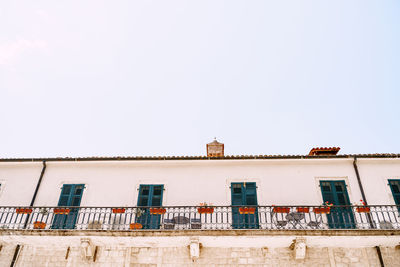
[108,78]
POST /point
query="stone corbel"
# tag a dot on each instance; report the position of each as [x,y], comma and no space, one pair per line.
[194,248]
[87,249]
[264,251]
[299,248]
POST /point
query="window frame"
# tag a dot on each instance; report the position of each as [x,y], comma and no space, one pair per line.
[393,193]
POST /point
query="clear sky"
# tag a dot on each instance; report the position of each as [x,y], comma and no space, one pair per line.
[109,78]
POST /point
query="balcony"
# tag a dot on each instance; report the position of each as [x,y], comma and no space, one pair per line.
[200,218]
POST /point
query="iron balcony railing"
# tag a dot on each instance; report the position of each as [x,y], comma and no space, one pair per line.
[200,218]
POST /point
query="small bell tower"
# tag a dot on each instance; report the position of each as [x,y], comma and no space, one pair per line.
[215,149]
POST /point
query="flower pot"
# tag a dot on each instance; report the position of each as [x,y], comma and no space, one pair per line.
[205,210]
[61,211]
[303,209]
[363,209]
[281,209]
[247,210]
[118,210]
[134,226]
[157,210]
[39,225]
[23,211]
[326,210]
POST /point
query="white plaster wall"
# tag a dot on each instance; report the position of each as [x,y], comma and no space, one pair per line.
[280,182]
[375,174]
[18,182]
[189,182]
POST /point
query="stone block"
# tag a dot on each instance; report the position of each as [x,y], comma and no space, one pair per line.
[33,256]
[135,250]
[242,260]
[232,260]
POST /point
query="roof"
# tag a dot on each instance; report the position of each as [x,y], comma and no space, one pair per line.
[227,157]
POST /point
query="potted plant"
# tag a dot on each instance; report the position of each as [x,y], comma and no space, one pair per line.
[139,212]
[44,211]
[363,207]
[205,208]
[247,210]
[281,209]
[23,211]
[303,209]
[157,211]
[118,210]
[39,225]
[61,211]
[134,226]
[326,208]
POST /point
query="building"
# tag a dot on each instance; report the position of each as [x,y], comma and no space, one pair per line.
[320,209]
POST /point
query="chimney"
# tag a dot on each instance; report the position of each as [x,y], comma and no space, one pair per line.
[324,151]
[215,149]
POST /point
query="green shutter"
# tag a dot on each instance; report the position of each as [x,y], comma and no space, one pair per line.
[149,196]
[244,194]
[65,195]
[156,199]
[237,194]
[71,195]
[144,193]
[395,187]
[251,194]
[335,193]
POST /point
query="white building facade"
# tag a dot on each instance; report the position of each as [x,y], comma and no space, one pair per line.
[314,210]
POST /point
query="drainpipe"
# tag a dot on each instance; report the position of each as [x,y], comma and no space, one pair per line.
[359,181]
[18,247]
[378,249]
[16,254]
[38,184]
[362,191]
[36,190]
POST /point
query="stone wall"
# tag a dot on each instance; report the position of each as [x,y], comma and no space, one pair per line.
[32,256]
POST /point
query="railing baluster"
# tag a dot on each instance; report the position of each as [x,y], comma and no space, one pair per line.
[383,217]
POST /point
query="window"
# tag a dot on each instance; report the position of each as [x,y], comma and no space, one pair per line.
[395,188]
[149,196]
[335,192]
[71,195]
[244,194]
